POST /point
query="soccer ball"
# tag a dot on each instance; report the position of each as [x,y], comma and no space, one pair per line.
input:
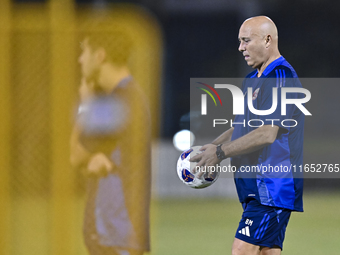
[185,167]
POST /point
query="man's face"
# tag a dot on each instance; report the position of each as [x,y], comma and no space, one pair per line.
[87,60]
[252,45]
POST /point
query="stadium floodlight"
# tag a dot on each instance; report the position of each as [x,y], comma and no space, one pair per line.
[183,140]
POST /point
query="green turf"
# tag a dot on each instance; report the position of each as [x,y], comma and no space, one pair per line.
[185,227]
[195,227]
[208,227]
[317,230]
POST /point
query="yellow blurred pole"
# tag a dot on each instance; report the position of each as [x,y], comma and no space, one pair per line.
[5,226]
[147,34]
[63,78]
[146,28]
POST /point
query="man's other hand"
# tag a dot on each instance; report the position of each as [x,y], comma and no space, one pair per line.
[99,165]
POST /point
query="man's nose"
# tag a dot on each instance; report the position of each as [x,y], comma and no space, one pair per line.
[241,47]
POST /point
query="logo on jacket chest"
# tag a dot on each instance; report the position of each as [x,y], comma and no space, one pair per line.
[255,94]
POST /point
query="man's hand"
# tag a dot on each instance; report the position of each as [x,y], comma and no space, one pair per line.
[99,165]
[207,158]
[85,90]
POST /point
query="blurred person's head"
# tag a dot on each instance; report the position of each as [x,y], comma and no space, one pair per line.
[104,59]
[258,38]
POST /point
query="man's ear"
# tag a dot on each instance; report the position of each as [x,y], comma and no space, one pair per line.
[100,55]
[268,40]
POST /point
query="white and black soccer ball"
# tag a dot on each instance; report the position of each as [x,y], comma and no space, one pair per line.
[185,167]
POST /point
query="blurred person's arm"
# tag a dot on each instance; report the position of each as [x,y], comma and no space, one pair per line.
[95,164]
[79,156]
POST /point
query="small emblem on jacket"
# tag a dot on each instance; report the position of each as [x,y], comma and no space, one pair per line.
[256,92]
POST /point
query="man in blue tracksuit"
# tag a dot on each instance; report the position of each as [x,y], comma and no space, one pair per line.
[273,190]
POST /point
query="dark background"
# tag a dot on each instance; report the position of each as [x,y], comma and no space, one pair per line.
[200,40]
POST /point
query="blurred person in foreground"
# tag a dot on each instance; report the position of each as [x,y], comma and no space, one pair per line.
[111,143]
[267,198]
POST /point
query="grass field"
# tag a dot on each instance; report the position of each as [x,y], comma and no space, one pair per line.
[208,227]
[185,227]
